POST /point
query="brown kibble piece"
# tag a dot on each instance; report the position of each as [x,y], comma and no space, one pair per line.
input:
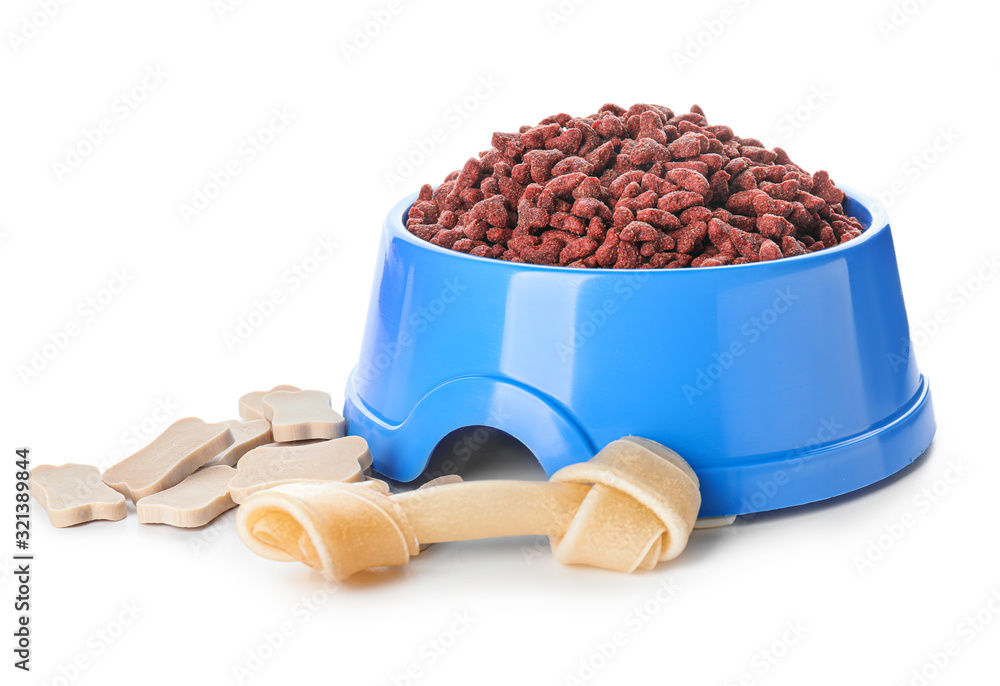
[194,502]
[775,227]
[769,250]
[74,493]
[178,452]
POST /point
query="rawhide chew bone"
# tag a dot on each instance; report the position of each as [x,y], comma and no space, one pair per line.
[196,501]
[186,445]
[298,415]
[74,493]
[246,437]
[251,406]
[632,505]
[438,481]
[342,459]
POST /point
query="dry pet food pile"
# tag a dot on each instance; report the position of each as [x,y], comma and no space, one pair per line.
[632,189]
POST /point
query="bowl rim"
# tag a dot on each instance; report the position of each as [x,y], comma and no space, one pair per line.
[396,229]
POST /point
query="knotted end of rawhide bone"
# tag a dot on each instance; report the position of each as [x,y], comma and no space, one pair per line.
[337,528]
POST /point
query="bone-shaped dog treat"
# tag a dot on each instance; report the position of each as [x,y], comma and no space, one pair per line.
[298,415]
[74,493]
[196,501]
[288,444]
[186,445]
[632,505]
[246,437]
[251,406]
[342,459]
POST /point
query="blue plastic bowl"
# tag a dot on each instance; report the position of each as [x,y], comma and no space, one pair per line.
[781,382]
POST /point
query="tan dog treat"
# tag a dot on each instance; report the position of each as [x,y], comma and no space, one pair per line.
[246,437]
[250,404]
[343,459]
[308,441]
[196,501]
[178,452]
[630,506]
[74,493]
[298,415]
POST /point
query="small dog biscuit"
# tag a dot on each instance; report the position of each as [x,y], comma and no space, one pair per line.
[196,501]
[298,415]
[250,405]
[74,493]
[246,437]
[178,452]
[343,459]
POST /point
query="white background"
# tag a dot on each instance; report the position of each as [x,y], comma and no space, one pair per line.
[906,111]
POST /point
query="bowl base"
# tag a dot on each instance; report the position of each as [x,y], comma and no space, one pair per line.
[729,486]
